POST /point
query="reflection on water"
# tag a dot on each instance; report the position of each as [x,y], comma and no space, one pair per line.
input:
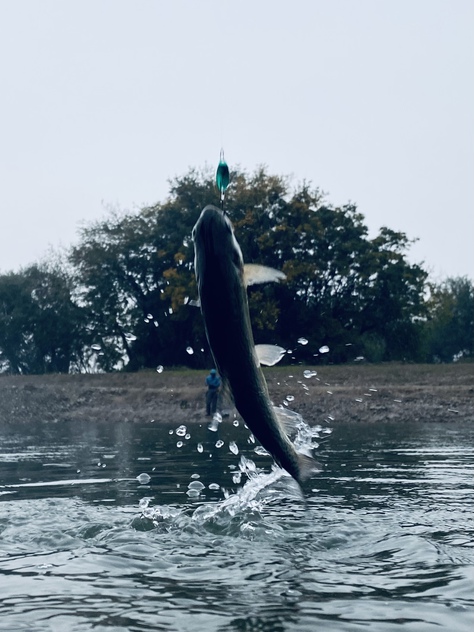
[116,527]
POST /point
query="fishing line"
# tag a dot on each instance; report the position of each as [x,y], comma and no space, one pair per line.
[222,173]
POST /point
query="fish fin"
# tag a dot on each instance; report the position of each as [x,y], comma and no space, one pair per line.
[255,273]
[307,466]
[289,419]
[269,354]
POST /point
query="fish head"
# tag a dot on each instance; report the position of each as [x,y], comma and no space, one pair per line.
[215,245]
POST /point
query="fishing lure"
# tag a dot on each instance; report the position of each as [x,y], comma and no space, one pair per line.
[222,177]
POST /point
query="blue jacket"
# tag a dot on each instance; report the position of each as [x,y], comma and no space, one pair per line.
[213,382]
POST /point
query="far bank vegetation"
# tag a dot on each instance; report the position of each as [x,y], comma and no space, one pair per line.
[121,298]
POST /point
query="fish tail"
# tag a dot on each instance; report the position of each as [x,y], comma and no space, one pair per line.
[307,466]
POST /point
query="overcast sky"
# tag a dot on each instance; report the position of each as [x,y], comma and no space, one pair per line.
[102,101]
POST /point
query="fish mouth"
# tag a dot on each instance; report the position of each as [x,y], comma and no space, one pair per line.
[214,234]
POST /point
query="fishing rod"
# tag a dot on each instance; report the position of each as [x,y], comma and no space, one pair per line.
[222,177]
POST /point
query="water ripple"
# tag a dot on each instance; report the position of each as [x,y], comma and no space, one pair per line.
[384,540]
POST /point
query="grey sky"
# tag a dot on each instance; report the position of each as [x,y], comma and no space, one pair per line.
[372,101]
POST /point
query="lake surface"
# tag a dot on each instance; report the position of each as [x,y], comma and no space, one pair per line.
[384,540]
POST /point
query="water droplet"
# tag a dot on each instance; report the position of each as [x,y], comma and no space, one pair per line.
[143,478]
[233,447]
[200,448]
[170,310]
[179,444]
[219,443]
[193,493]
[195,475]
[251,439]
[302,341]
[189,350]
[149,316]
[236,478]
[329,392]
[187,436]
[358,399]
[159,368]
[308,374]
[324,349]
[235,422]
[214,486]
[181,431]
[260,450]
[156,323]
[95,347]
[290,398]
[196,485]
[170,432]
[130,337]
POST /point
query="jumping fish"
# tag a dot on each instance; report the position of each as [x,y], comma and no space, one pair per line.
[221,280]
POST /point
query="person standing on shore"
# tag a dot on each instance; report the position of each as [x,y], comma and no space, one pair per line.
[213,382]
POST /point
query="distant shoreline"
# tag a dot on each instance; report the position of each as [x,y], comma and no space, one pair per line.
[350,393]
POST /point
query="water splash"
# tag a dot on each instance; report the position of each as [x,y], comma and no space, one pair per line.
[214,424]
[241,512]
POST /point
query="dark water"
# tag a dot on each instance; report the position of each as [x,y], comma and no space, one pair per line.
[385,540]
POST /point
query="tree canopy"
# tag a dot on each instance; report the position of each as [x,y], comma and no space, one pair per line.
[126,298]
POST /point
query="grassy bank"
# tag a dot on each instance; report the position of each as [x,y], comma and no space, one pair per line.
[373,393]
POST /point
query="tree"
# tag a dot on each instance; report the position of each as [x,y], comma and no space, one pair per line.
[40,325]
[135,274]
[450,328]
[135,277]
